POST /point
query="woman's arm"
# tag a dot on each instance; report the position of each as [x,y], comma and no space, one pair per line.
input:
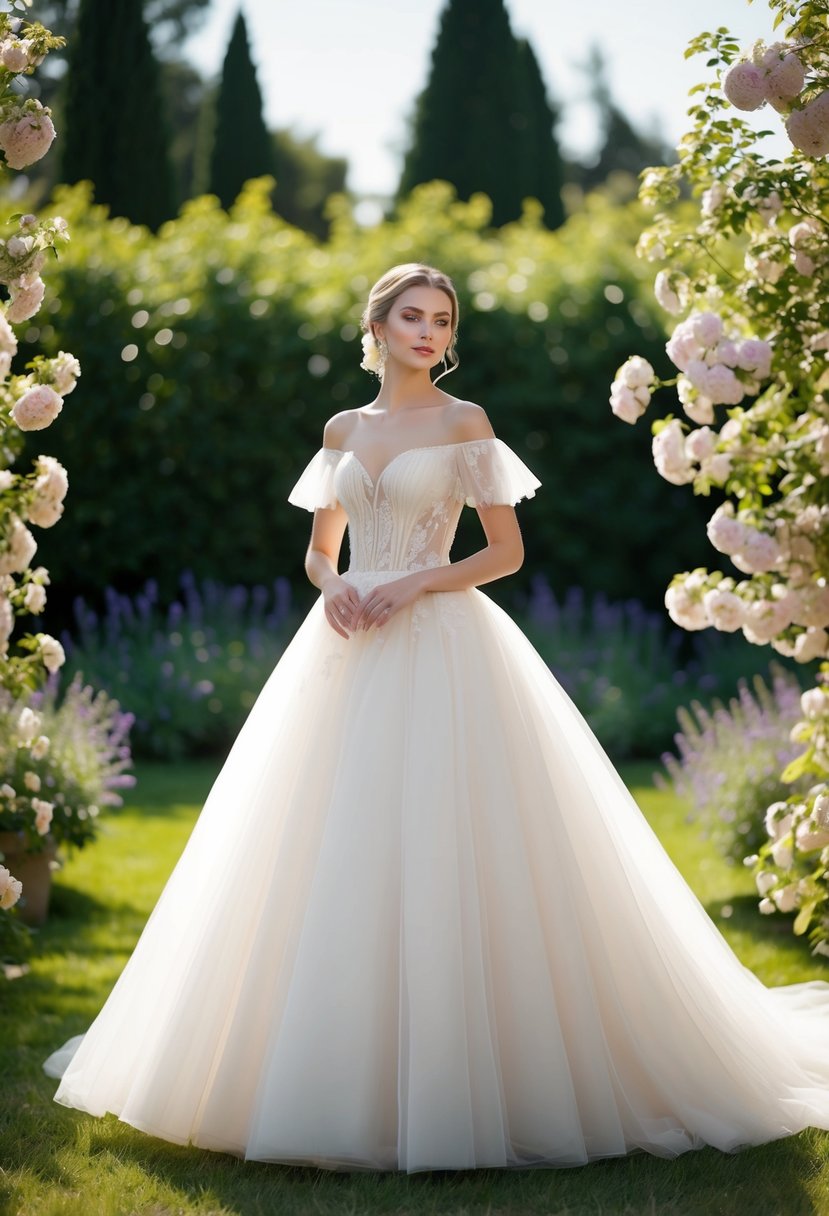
[322,556]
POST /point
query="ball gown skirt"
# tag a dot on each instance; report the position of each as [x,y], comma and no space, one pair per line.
[421,923]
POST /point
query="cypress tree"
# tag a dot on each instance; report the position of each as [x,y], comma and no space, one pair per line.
[242,147]
[543,170]
[115,132]
[470,124]
[623,148]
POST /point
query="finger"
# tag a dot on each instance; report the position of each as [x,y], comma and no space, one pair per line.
[335,624]
[344,613]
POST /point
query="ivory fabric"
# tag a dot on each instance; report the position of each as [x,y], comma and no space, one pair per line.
[421,923]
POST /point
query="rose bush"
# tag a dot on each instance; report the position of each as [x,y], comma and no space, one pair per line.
[750,272]
[28,401]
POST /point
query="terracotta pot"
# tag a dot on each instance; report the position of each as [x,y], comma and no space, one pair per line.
[35,872]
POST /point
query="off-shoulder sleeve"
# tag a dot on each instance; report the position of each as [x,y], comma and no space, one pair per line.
[315,487]
[490,473]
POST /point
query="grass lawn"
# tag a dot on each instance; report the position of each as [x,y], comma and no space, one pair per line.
[54,1160]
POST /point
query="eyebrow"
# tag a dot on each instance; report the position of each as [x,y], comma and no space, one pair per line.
[414,308]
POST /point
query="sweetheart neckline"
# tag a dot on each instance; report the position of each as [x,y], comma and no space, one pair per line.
[427,447]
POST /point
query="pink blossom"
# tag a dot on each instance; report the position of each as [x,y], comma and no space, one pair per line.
[758,552]
[724,609]
[14,54]
[684,609]
[25,301]
[699,445]
[712,199]
[697,407]
[722,387]
[51,652]
[706,327]
[754,355]
[784,81]
[636,372]
[726,533]
[24,140]
[811,645]
[726,352]
[37,408]
[786,898]
[625,403]
[682,346]
[745,86]
[668,448]
[808,129]
[43,814]
[803,264]
[812,606]
[10,889]
[666,295]
[8,338]
[717,467]
[20,547]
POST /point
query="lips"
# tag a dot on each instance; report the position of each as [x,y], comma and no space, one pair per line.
[424,350]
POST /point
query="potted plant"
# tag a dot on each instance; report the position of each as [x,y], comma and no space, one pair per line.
[60,765]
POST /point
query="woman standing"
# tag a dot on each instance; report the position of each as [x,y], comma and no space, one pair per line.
[421,923]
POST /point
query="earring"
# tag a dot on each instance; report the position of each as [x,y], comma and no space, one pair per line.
[384,350]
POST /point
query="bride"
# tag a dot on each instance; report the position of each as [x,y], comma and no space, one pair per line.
[420,922]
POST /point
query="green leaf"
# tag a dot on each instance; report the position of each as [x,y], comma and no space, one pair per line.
[797,767]
[803,918]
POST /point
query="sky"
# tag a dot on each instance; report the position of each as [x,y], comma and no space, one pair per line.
[349,70]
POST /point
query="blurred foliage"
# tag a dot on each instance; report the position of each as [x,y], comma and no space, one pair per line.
[214,352]
[305,179]
[623,150]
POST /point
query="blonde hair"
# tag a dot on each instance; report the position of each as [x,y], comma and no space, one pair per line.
[399,279]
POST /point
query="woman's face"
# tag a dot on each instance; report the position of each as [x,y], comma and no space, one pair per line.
[418,328]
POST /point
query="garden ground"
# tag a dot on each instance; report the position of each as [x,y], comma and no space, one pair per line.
[57,1161]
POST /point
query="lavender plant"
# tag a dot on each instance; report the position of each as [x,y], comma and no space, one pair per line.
[62,759]
[189,671]
[628,669]
[730,759]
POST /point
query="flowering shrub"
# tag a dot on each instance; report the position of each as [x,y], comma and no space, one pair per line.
[752,274]
[730,758]
[60,764]
[33,400]
[189,672]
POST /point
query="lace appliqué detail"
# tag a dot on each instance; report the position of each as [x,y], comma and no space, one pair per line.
[423,535]
[485,483]
[449,607]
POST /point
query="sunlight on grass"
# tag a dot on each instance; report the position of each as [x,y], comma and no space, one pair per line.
[58,1161]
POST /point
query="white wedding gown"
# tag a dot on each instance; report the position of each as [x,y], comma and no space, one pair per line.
[421,923]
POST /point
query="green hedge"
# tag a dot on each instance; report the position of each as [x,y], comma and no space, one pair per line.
[214,352]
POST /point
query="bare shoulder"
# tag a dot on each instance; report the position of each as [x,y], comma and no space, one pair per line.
[337,429]
[469,421]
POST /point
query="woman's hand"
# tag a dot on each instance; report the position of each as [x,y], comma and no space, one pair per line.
[342,604]
[382,602]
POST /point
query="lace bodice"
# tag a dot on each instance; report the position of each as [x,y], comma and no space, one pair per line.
[406,518]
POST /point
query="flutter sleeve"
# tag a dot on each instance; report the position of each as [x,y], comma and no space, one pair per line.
[490,473]
[315,487]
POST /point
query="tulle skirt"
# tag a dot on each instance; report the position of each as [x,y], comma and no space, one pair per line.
[422,924]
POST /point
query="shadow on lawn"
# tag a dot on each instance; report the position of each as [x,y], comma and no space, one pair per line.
[699,1183]
[775,929]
